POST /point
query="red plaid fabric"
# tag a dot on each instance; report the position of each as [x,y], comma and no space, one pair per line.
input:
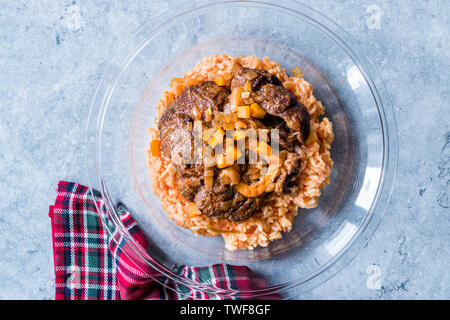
[94,261]
[84,268]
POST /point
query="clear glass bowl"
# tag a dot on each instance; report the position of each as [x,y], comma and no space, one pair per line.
[356,100]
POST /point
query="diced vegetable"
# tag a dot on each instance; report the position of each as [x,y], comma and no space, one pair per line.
[220,117]
[209,161]
[228,126]
[297,72]
[229,142]
[263,148]
[208,114]
[257,111]
[237,95]
[239,135]
[222,161]
[245,95]
[193,211]
[209,181]
[312,138]
[250,75]
[232,154]
[155,148]
[196,113]
[216,138]
[207,134]
[240,125]
[237,153]
[220,81]
[248,86]
[229,147]
[209,172]
[243,112]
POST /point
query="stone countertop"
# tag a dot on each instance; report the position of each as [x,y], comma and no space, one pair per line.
[52,55]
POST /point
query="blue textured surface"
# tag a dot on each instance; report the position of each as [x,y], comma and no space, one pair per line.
[52,56]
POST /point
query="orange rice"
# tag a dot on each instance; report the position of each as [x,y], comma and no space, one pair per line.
[278,213]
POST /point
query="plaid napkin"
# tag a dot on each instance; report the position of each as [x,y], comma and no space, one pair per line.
[93,260]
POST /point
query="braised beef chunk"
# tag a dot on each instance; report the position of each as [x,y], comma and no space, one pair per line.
[287,137]
[177,140]
[177,144]
[197,99]
[215,201]
[243,208]
[223,201]
[285,182]
[280,102]
[189,179]
[255,77]
[170,137]
[298,119]
[221,198]
[277,99]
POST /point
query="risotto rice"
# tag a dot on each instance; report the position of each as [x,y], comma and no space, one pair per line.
[277,213]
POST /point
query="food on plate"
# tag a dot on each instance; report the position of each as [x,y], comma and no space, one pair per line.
[237,148]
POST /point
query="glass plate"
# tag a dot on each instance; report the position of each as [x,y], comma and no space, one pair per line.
[356,101]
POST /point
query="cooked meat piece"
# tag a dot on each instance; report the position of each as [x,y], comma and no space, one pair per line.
[256,77]
[222,201]
[195,100]
[293,165]
[298,119]
[189,187]
[177,144]
[277,99]
[280,102]
[189,179]
[170,137]
[286,181]
[287,138]
[243,208]
[280,181]
[215,201]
